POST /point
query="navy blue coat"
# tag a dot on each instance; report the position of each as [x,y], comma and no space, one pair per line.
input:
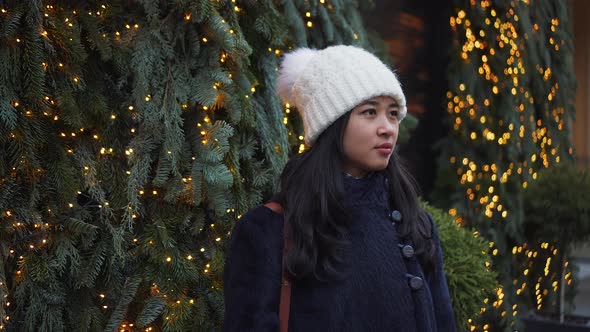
[376,294]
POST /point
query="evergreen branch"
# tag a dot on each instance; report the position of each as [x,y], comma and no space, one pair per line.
[93,266]
[33,76]
[3,293]
[8,114]
[118,314]
[150,312]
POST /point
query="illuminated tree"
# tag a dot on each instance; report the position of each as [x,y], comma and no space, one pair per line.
[510,103]
[133,134]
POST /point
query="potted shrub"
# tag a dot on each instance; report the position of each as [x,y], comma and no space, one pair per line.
[465,256]
[557,211]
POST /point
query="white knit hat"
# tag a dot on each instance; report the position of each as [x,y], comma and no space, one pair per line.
[325,84]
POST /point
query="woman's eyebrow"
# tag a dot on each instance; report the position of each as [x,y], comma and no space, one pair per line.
[369,102]
[376,103]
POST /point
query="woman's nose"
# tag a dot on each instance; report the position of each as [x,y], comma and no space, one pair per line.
[386,127]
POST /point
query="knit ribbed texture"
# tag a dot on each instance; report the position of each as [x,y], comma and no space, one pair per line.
[335,80]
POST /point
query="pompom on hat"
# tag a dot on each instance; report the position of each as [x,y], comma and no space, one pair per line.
[325,84]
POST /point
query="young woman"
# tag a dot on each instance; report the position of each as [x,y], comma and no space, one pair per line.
[363,256]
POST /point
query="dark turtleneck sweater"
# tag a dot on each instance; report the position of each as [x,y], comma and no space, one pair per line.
[381,291]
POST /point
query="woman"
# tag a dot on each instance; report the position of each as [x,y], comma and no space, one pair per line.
[363,256]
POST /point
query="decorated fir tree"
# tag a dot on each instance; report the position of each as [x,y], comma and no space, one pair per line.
[133,135]
[510,105]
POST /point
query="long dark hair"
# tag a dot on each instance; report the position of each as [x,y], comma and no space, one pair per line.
[312,194]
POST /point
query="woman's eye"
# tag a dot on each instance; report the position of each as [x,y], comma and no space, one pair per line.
[393,113]
[369,111]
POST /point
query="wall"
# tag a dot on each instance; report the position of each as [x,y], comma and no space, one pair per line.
[581,134]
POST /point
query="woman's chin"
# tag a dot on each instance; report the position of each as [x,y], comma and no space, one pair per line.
[376,167]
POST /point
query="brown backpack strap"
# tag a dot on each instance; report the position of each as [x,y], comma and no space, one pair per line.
[275,207]
[285,302]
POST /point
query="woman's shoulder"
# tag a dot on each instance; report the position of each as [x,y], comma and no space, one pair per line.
[260,221]
[260,214]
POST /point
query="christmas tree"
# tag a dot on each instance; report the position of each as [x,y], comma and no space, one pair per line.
[133,135]
[510,106]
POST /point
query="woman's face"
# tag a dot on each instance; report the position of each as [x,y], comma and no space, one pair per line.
[370,136]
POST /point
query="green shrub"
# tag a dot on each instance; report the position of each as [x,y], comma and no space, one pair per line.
[465,257]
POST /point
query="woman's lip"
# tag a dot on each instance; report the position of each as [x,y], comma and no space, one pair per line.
[384,151]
